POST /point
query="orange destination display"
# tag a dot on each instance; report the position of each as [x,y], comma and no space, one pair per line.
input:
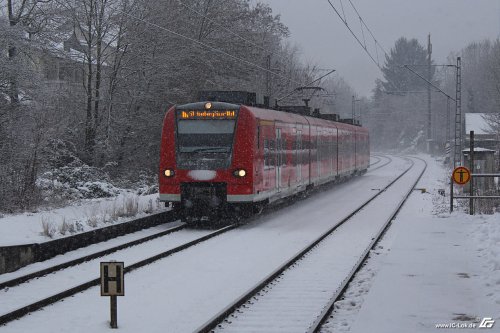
[208,114]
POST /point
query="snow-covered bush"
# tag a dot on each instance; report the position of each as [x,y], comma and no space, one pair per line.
[76,182]
[49,228]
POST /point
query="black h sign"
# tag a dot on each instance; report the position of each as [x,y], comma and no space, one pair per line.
[112,283]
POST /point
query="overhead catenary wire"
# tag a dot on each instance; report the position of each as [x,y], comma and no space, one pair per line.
[363,45]
[309,83]
[195,41]
[354,35]
[367,28]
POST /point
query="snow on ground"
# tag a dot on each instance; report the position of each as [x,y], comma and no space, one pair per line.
[432,268]
[84,215]
[179,293]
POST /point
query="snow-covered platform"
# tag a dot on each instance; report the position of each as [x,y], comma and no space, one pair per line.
[440,270]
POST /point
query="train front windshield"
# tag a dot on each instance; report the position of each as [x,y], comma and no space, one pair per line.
[204,143]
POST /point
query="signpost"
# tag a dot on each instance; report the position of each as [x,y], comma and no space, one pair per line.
[461,175]
[112,284]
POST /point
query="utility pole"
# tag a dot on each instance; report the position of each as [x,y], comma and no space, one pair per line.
[353,106]
[429,78]
[354,100]
[457,156]
[268,76]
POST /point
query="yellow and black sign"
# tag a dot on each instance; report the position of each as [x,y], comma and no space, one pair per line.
[112,282]
[207,114]
[461,175]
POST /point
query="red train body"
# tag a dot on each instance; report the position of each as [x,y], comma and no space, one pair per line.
[217,156]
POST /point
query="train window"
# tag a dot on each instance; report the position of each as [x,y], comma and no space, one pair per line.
[272,153]
[266,153]
[283,152]
[205,135]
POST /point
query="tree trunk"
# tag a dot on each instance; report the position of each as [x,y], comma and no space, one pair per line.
[12,53]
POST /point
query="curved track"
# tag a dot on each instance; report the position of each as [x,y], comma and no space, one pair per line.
[387,161]
[286,289]
[374,157]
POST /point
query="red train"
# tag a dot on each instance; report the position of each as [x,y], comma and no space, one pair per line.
[221,157]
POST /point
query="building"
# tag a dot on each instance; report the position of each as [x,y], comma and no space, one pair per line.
[486,143]
[484,134]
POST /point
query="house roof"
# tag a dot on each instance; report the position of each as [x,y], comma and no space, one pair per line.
[476,122]
[478,149]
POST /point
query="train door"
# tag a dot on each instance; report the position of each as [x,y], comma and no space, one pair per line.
[335,151]
[298,156]
[279,156]
[340,152]
[318,157]
[330,151]
[355,144]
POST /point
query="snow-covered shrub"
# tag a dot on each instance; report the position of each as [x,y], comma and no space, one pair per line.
[76,182]
[49,229]
[149,208]
[92,216]
[131,205]
[147,183]
[148,189]
[64,226]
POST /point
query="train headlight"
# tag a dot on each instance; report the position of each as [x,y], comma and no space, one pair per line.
[240,173]
[169,173]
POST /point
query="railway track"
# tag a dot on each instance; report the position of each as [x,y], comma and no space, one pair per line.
[388,160]
[49,270]
[70,263]
[298,296]
[14,312]
[376,162]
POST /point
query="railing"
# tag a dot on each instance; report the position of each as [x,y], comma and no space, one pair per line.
[472,197]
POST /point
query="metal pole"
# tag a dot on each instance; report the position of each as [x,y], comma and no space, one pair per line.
[471,168]
[353,103]
[268,76]
[113,306]
[451,194]
[457,156]
[448,119]
[429,120]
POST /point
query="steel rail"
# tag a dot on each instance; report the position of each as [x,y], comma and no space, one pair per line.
[7,317]
[316,326]
[224,313]
[74,262]
[382,165]
[378,160]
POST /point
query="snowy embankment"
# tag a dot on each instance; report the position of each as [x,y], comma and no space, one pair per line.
[432,268]
[83,215]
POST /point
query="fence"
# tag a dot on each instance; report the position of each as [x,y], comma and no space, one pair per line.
[472,197]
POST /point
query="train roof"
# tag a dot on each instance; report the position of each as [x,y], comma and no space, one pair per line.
[269,114]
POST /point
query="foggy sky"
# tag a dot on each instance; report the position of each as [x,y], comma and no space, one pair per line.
[324,39]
